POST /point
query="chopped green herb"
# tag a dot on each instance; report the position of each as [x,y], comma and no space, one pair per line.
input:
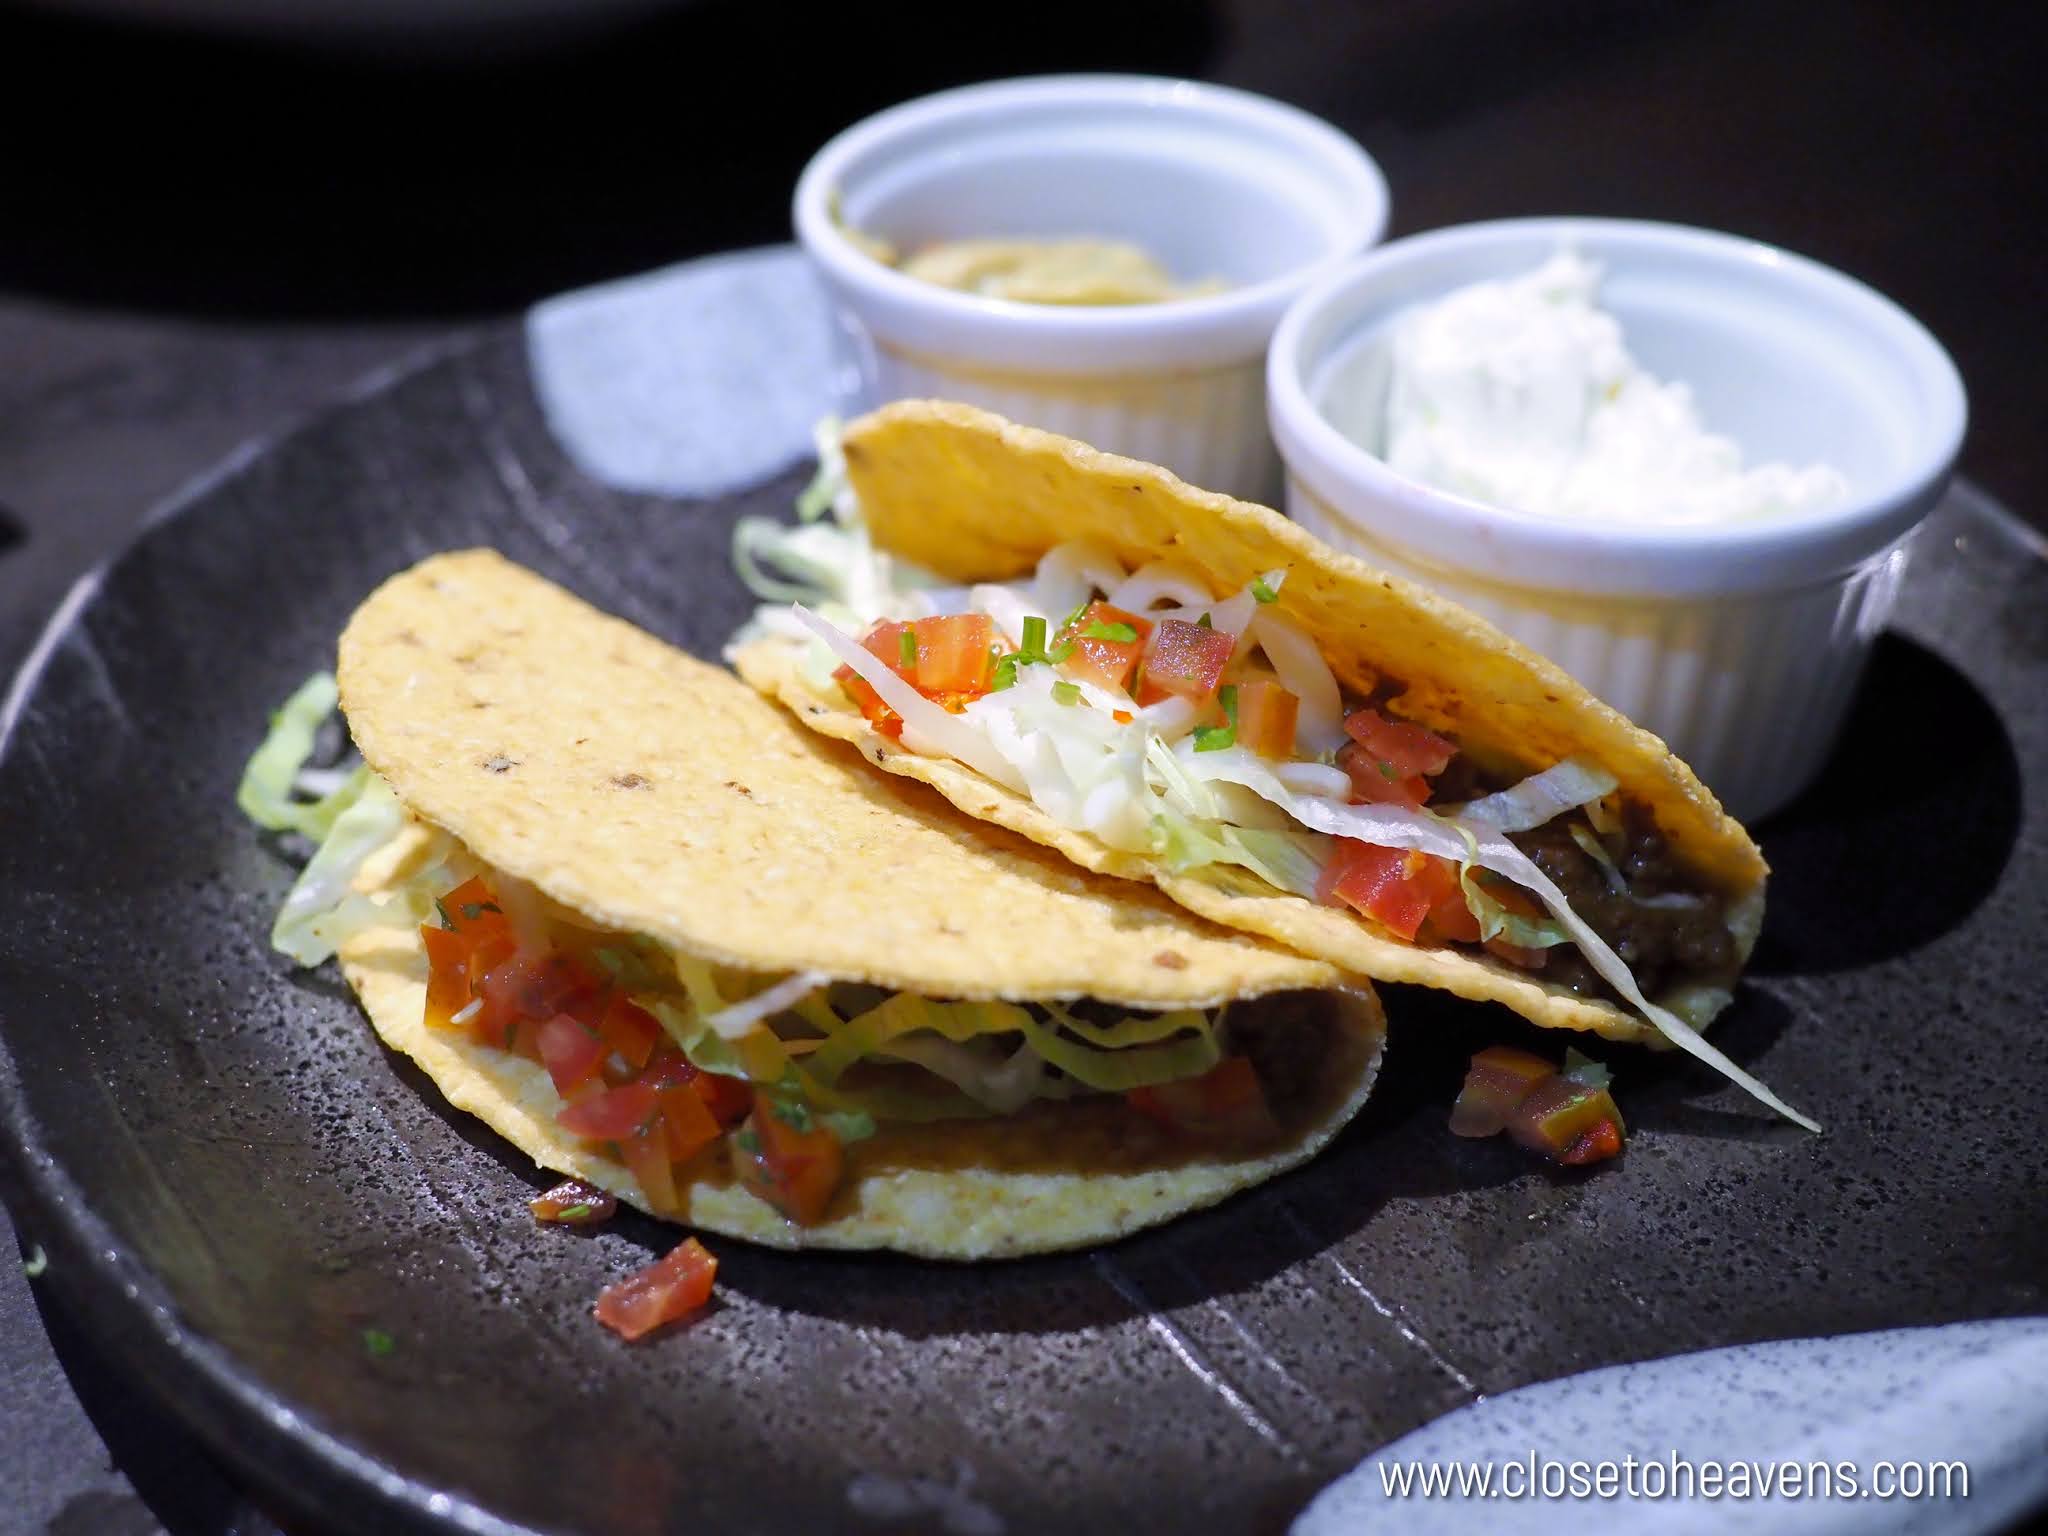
[377,1343]
[1066,693]
[1034,636]
[36,1262]
[1005,675]
[574,1213]
[747,1142]
[1263,593]
[1584,1070]
[1122,634]
[446,921]
[850,1125]
[794,1113]
[1387,770]
[1205,622]
[1214,738]
[472,910]
[1075,617]
[906,649]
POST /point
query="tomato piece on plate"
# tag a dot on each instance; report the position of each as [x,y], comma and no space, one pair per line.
[1108,644]
[1499,1079]
[473,911]
[1395,887]
[573,1203]
[631,1031]
[670,1288]
[1601,1141]
[1556,1115]
[1403,747]
[1266,717]
[1186,661]
[1226,1103]
[611,1115]
[571,1053]
[783,1156]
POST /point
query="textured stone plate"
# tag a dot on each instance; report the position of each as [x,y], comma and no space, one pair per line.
[337,1283]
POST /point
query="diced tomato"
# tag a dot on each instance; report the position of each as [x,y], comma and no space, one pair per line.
[1601,1141]
[730,1099]
[1266,715]
[1557,1113]
[667,1067]
[670,1288]
[631,1031]
[447,975]
[1375,783]
[1102,657]
[522,1038]
[571,1053]
[691,1125]
[646,1155]
[536,984]
[1186,661]
[793,1168]
[612,1115]
[573,1203]
[1395,887]
[1404,748]
[1499,1079]
[1226,1103]
[473,911]
[1450,921]
[953,654]
[886,641]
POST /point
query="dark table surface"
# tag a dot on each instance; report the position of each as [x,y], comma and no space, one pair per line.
[271,219]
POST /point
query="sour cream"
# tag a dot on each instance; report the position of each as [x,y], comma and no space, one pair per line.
[1521,393]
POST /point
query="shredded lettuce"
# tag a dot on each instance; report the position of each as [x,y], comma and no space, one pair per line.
[321,909]
[1397,827]
[1288,861]
[278,767]
[1138,1066]
[1539,798]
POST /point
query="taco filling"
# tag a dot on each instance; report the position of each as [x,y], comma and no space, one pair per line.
[617,905]
[1135,704]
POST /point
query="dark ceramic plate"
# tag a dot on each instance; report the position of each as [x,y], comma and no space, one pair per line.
[337,1283]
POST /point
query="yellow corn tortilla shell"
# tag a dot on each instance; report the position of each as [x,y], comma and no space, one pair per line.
[652,794]
[972,497]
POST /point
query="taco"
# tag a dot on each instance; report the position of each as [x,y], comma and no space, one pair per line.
[664,941]
[1169,685]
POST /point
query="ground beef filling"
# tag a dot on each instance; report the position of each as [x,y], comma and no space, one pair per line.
[1666,929]
[1286,1037]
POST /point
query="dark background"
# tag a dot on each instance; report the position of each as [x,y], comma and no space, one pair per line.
[204,235]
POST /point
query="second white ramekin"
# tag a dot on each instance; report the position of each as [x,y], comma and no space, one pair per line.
[1213,181]
[1740,644]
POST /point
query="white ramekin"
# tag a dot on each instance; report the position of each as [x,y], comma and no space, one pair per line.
[1740,644]
[1213,181]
